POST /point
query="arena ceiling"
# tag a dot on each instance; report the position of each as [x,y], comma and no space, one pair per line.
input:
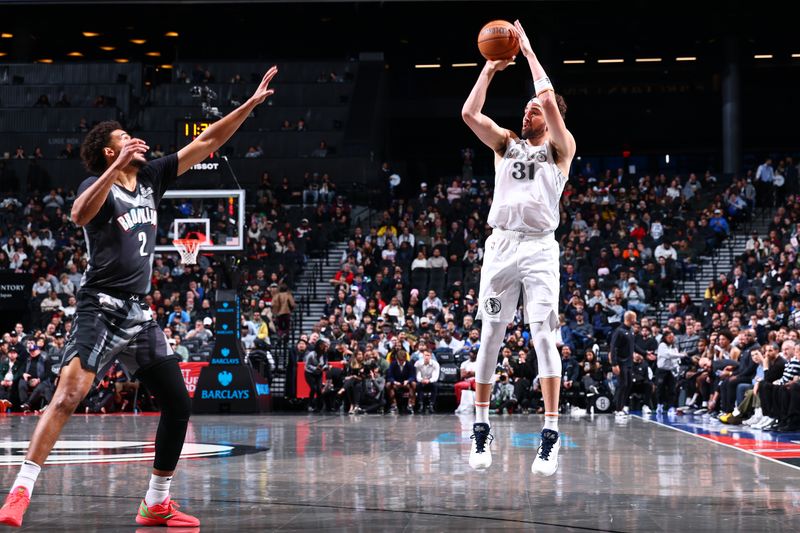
[405,32]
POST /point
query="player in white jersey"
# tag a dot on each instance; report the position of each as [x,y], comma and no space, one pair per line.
[530,173]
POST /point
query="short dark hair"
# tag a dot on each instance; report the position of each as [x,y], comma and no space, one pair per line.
[92,147]
[562,105]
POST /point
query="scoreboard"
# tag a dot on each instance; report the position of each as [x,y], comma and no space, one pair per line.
[187,130]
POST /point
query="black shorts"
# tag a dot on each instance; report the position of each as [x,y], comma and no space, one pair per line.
[111,325]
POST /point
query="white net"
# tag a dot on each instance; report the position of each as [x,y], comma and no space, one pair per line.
[188,248]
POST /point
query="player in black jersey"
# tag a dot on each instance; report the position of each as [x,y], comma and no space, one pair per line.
[117,211]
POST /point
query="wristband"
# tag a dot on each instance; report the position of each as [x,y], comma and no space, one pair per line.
[542,84]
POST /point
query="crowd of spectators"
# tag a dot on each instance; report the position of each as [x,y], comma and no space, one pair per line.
[406,295]
[401,312]
[37,238]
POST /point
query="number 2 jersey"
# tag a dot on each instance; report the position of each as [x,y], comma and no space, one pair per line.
[527,189]
[121,238]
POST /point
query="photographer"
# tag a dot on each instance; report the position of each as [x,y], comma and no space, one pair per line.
[372,399]
[35,375]
[503,395]
[101,398]
[315,364]
[522,372]
[642,382]
[10,373]
[353,386]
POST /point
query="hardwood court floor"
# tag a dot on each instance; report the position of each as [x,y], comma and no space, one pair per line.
[406,473]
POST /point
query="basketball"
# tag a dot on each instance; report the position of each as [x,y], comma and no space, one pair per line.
[497,40]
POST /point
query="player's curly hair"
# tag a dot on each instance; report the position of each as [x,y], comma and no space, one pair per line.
[92,147]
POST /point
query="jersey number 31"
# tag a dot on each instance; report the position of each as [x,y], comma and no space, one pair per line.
[522,171]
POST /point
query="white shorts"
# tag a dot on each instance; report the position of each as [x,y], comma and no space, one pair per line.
[512,260]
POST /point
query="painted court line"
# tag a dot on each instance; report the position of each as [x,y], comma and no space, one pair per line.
[718,443]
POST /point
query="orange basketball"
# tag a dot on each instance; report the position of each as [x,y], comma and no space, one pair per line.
[496,40]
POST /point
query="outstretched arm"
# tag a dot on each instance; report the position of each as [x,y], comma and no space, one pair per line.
[218,133]
[561,137]
[485,128]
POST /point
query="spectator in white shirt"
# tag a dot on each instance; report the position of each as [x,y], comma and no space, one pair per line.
[394,309]
[420,261]
[65,286]
[665,249]
[751,242]
[41,287]
[431,301]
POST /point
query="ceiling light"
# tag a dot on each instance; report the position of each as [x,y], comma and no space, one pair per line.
[90,34]
[121,60]
[108,48]
[686,58]
[75,54]
[610,60]
[795,55]
[153,54]
[165,66]
[6,35]
[138,41]
[648,60]
[574,61]
[762,56]
[47,60]
[458,65]
[3,54]
[429,65]
[171,34]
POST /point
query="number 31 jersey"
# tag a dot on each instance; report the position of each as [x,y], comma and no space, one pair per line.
[121,238]
[527,189]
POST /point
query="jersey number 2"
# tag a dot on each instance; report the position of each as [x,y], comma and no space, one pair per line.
[519,171]
[143,239]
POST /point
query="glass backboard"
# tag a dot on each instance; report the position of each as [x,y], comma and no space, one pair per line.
[215,216]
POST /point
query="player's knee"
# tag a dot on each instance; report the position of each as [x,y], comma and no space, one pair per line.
[65,402]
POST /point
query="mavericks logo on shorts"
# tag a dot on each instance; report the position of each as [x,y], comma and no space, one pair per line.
[492,306]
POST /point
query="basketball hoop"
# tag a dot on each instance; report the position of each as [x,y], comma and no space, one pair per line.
[188,248]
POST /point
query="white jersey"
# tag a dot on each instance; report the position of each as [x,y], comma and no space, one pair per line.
[527,189]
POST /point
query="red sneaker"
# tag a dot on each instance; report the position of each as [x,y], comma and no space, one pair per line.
[164,514]
[16,504]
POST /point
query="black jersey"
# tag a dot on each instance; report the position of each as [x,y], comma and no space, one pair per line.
[121,237]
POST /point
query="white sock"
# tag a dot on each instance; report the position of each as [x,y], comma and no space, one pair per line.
[28,473]
[551,421]
[736,411]
[759,413]
[158,491]
[481,413]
